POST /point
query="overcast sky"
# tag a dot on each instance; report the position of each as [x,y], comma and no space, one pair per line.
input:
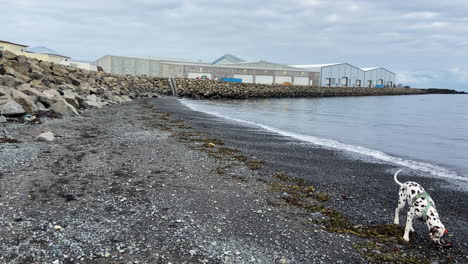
[424,41]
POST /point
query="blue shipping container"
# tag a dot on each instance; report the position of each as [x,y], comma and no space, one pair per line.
[236,80]
[379,86]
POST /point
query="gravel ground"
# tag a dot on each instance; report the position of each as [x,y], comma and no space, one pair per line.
[126,184]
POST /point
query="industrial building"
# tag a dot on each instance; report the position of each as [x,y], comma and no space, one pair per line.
[379,77]
[337,74]
[228,66]
[232,68]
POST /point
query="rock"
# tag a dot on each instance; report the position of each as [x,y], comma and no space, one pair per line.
[59,71]
[316,215]
[2,119]
[24,100]
[7,55]
[58,228]
[47,136]
[91,104]
[41,106]
[64,108]
[46,100]
[70,97]
[52,94]
[92,97]
[10,81]
[8,107]
[6,70]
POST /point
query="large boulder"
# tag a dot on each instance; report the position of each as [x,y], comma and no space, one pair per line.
[41,97]
[8,107]
[7,55]
[27,102]
[64,108]
[91,104]
[7,70]
[2,119]
[59,71]
[10,81]
[70,97]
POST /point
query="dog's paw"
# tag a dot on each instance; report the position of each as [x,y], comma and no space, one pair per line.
[406,239]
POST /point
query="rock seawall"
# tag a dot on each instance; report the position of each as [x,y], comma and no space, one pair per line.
[214,89]
[29,86]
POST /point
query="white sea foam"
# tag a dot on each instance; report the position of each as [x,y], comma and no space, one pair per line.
[432,169]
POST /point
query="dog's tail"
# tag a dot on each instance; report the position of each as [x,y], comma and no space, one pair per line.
[395,177]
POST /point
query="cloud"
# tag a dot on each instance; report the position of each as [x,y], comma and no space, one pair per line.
[419,39]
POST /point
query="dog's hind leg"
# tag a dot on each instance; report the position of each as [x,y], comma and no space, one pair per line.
[401,205]
[409,224]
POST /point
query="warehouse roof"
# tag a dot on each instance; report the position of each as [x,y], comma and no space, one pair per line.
[156,59]
[13,43]
[236,66]
[370,69]
[229,57]
[266,65]
[315,65]
[45,50]
[375,68]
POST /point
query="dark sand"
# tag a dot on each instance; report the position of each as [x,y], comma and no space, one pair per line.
[126,184]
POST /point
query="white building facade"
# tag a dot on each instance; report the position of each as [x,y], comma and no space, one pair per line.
[379,77]
[337,74]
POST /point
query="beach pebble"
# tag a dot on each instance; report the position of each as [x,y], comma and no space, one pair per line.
[47,136]
[58,228]
[316,215]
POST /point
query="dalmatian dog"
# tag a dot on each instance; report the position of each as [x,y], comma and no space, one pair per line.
[421,206]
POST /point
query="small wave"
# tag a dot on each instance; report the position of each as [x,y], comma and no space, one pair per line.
[432,169]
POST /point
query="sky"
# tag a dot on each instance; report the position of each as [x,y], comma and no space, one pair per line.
[425,42]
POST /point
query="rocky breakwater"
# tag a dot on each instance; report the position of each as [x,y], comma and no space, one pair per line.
[30,86]
[214,90]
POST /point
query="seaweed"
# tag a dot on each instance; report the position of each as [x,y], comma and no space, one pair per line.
[9,140]
[378,253]
[254,164]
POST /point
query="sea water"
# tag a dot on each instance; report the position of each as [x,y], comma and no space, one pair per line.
[428,133]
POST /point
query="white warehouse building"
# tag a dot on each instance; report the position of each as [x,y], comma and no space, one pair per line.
[337,74]
[379,77]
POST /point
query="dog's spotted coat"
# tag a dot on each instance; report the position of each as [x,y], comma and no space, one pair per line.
[407,194]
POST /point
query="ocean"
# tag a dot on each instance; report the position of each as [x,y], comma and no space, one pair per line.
[427,133]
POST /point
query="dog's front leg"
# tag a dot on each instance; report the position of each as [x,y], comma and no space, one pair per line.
[409,224]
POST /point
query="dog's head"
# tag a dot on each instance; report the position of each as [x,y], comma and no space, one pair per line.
[436,233]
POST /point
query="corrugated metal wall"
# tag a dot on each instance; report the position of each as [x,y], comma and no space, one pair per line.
[337,72]
[379,74]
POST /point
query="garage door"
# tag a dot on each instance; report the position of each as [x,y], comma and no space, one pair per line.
[283,79]
[195,75]
[264,79]
[245,78]
[301,80]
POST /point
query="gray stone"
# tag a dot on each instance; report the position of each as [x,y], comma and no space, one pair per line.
[46,100]
[8,107]
[47,136]
[2,119]
[91,104]
[316,215]
[27,102]
[41,106]
[64,108]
